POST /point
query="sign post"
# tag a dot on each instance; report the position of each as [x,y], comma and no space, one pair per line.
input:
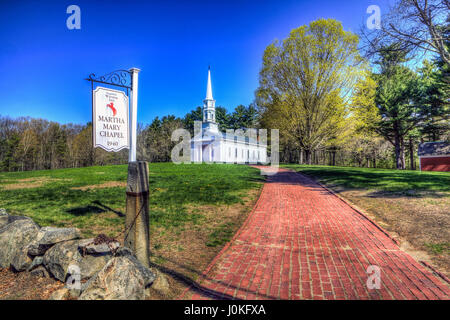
[133,112]
[113,131]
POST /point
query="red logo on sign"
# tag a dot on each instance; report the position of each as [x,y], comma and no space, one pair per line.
[111,106]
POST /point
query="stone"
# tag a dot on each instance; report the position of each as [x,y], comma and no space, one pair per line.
[89,247]
[74,293]
[161,284]
[37,261]
[122,278]
[123,252]
[91,264]
[60,294]
[22,261]
[14,238]
[5,218]
[40,271]
[59,257]
[48,236]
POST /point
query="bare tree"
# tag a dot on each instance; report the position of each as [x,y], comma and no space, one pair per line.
[418,25]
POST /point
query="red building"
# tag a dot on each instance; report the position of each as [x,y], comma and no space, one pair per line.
[434,156]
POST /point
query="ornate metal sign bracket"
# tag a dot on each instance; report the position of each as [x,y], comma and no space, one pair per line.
[119,78]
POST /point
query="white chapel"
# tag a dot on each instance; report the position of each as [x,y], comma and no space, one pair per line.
[211,145]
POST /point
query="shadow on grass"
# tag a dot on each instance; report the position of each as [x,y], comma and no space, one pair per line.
[81,211]
[101,205]
[97,207]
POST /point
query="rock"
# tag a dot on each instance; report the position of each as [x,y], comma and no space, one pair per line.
[74,293]
[122,278]
[60,294]
[59,257]
[91,264]
[48,236]
[14,237]
[123,252]
[85,285]
[89,247]
[40,271]
[161,284]
[22,261]
[37,261]
[5,218]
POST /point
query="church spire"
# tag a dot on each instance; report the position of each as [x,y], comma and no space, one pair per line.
[209,95]
[209,108]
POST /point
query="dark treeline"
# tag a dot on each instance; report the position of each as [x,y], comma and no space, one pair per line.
[37,144]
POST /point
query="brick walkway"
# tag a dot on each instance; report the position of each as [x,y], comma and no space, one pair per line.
[302,242]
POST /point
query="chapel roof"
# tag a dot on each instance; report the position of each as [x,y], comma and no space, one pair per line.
[434,149]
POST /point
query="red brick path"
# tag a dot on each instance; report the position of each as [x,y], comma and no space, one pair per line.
[302,242]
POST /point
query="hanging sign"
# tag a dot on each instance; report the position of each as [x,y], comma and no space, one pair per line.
[110,119]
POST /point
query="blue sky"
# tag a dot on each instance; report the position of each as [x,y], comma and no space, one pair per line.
[43,64]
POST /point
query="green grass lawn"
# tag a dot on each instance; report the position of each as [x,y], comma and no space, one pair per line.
[51,197]
[378,179]
[194,209]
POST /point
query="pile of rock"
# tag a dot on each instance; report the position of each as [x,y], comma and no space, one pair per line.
[104,271]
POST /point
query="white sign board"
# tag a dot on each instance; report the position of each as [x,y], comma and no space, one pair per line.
[110,119]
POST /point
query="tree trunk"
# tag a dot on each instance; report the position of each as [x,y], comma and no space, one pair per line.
[402,153]
[301,157]
[397,147]
[411,153]
[308,156]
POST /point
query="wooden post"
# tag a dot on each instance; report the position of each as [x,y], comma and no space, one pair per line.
[137,221]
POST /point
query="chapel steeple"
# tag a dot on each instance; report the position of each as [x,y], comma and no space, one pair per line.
[209,107]
[209,95]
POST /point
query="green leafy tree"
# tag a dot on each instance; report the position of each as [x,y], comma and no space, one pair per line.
[434,97]
[397,102]
[191,117]
[305,83]
[222,118]
[244,117]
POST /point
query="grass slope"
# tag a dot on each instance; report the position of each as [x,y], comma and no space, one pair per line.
[73,196]
[194,210]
